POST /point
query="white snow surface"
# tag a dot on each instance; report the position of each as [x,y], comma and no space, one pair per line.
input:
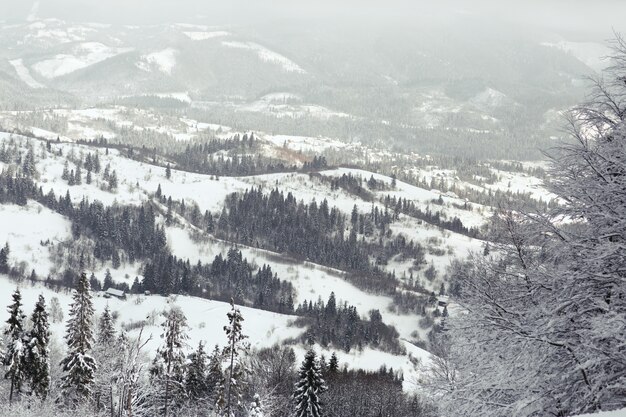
[267,55]
[201,36]
[82,55]
[163,60]
[31,231]
[24,73]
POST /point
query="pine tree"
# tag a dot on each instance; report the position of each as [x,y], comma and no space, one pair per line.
[197,372]
[113,180]
[29,167]
[78,176]
[38,352]
[14,356]
[66,171]
[109,353]
[4,259]
[106,328]
[333,364]
[168,172]
[236,372]
[108,280]
[215,374]
[309,387]
[168,367]
[96,163]
[79,366]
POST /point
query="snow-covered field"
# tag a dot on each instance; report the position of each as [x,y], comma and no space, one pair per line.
[24,73]
[267,55]
[164,61]
[201,36]
[206,319]
[31,231]
[83,55]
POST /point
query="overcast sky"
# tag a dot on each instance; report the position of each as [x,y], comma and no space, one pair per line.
[590,17]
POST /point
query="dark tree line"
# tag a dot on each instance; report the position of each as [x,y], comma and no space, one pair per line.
[280,223]
[222,279]
[370,394]
[341,326]
[408,207]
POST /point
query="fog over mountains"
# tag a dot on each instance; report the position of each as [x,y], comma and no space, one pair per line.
[312,209]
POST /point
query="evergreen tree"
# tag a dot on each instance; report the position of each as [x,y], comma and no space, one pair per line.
[78,176]
[14,356]
[29,167]
[108,280]
[38,351]
[113,180]
[236,370]
[333,364]
[78,365]
[168,368]
[66,171]
[106,328]
[215,374]
[168,172]
[197,373]
[96,163]
[309,387]
[4,259]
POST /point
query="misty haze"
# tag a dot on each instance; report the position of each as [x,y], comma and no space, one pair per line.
[254,208]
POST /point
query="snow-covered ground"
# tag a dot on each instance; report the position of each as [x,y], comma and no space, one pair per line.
[267,55]
[24,73]
[30,232]
[164,61]
[206,319]
[201,36]
[83,55]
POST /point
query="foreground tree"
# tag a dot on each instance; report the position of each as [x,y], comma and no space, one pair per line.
[232,388]
[168,369]
[14,356]
[38,351]
[544,333]
[309,387]
[78,365]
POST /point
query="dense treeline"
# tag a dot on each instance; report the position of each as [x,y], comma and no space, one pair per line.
[236,156]
[224,278]
[280,223]
[371,394]
[408,207]
[341,326]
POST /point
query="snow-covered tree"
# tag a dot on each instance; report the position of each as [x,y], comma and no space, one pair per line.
[108,353]
[78,365]
[14,358]
[106,328]
[333,364]
[168,368]
[133,396]
[38,351]
[232,388]
[544,333]
[197,373]
[309,387]
[256,409]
